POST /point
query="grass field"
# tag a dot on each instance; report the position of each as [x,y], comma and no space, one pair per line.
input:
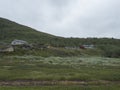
[101,87]
[97,73]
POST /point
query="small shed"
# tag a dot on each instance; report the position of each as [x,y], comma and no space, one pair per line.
[18,42]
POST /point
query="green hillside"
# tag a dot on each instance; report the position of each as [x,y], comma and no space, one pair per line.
[10,30]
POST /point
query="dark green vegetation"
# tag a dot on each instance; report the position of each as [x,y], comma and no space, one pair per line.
[108,47]
[44,52]
[10,30]
[68,73]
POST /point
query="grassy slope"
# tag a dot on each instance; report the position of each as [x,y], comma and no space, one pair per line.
[10,30]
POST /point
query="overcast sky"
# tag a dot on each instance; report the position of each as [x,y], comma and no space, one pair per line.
[68,18]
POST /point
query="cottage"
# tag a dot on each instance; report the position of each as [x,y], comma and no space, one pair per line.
[18,42]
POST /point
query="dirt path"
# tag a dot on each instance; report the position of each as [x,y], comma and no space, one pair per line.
[45,83]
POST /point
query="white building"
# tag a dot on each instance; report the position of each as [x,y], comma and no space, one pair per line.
[19,42]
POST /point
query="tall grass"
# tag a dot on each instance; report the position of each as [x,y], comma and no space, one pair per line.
[59,68]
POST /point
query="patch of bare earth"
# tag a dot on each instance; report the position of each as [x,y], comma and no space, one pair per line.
[45,83]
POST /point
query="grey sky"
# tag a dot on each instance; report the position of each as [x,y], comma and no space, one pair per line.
[68,18]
